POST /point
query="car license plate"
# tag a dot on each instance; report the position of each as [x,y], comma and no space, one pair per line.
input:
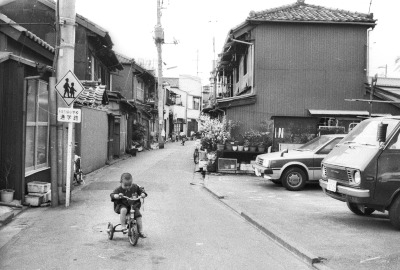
[332,185]
[257,171]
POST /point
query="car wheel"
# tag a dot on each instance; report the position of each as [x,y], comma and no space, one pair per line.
[394,213]
[277,182]
[354,208]
[294,179]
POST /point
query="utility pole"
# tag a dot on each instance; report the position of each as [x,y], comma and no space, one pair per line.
[65,62]
[159,40]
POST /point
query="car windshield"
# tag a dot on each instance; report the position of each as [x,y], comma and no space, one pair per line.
[365,133]
[314,144]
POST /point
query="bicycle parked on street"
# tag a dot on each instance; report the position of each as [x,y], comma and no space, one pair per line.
[78,174]
[133,231]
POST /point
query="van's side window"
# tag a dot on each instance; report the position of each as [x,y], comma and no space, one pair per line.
[395,142]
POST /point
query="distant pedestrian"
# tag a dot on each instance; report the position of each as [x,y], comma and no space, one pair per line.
[183,137]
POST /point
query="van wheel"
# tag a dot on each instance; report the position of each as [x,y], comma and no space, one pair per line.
[294,179]
[394,213]
[354,208]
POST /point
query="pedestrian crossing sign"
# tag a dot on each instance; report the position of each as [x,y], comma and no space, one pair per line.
[69,88]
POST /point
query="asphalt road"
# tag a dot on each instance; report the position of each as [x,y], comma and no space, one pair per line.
[315,222]
[187,228]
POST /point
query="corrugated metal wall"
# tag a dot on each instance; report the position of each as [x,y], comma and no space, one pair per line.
[92,137]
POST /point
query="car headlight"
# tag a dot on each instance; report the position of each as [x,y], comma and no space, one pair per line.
[323,170]
[357,177]
[267,163]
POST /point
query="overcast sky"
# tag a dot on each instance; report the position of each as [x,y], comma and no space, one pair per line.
[194,23]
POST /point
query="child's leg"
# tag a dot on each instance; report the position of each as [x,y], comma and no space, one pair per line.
[140,227]
[122,217]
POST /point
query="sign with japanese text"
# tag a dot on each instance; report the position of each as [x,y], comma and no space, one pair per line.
[69,88]
[69,115]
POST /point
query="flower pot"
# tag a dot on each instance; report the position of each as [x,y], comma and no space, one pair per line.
[253,148]
[246,148]
[6,195]
[261,149]
[220,147]
[234,148]
[240,147]
[229,146]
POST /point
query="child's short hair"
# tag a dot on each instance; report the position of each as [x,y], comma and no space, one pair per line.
[126,176]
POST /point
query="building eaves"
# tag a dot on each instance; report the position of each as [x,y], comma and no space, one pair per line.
[24,31]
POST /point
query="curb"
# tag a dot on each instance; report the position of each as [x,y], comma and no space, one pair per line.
[309,257]
[8,217]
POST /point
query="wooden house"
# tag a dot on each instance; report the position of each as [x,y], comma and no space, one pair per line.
[138,86]
[25,66]
[292,67]
[94,62]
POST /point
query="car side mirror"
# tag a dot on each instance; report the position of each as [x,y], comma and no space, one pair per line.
[382,130]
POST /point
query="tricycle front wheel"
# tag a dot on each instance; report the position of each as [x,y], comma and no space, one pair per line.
[133,234]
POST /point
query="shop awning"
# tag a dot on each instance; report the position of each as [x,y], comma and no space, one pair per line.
[236,101]
[337,113]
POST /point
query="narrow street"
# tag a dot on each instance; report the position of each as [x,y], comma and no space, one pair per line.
[187,228]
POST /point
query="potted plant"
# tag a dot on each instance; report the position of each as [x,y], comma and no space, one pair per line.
[261,147]
[240,143]
[246,145]
[7,194]
[235,146]
[228,145]
[253,147]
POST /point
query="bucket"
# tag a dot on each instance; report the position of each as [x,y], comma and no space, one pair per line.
[6,195]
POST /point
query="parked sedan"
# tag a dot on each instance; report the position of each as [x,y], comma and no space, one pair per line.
[294,168]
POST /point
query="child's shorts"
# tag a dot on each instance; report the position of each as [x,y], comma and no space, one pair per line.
[119,206]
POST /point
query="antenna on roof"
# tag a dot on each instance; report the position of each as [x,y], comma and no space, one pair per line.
[369,9]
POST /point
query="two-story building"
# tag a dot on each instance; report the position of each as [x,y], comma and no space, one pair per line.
[94,62]
[25,67]
[138,86]
[183,104]
[293,66]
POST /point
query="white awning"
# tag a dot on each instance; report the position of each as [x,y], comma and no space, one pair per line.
[337,112]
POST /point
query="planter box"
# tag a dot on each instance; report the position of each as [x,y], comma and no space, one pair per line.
[38,187]
[227,164]
[34,200]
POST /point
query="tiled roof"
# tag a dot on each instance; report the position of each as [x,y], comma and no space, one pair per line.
[124,59]
[303,12]
[91,95]
[27,33]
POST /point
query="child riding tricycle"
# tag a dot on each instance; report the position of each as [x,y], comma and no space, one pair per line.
[127,199]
